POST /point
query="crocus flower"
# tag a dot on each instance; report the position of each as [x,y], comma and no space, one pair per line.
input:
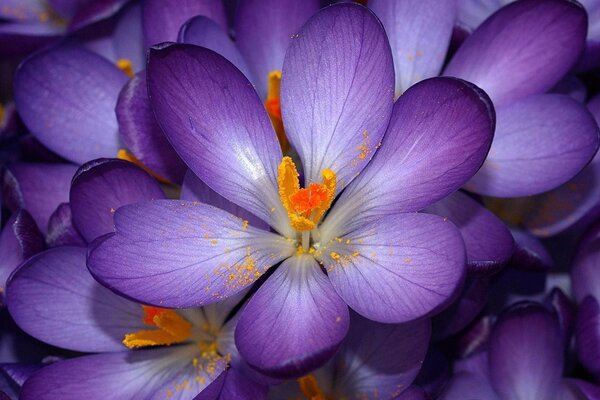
[376,361]
[385,261]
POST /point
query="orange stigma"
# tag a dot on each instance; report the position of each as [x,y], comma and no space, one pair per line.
[310,388]
[305,206]
[123,154]
[172,328]
[273,106]
[125,65]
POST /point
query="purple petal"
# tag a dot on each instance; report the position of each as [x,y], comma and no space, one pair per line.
[558,301]
[193,189]
[379,361]
[465,385]
[161,373]
[61,231]
[141,134]
[397,268]
[586,268]
[18,39]
[23,10]
[204,32]
[177,254]
[128,37]
[19,240]
[67,8]
[100,187]
[585,390]
[530,253]
[571,86]
[233,385]
[587,335]
[294,322]
[264,29]
[438,137]
[54,298]
[413,393]
[336,94]
[66,96]
[525,48]
[419,33]
[540,143]
[591,56]
[162,19]
[95,11]
[526,353]
[488,241]
[226,139]
[38,188]
[19,372]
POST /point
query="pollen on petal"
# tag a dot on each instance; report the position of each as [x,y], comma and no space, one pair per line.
[125,65]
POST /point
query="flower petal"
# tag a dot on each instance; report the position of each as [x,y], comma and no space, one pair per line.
[530,253]
[233,385]
[587,335]
[439,135]
[264,29]
[488,241]
[419,32]
[533,136]
[525,48]
[100,187]
[336,94]
[141,134]
[294,322]
[225,138]
[66,96]
[586,268]
[397,268]
[526,353]
[61,231]
[177,254]
[38,188]
[467,385]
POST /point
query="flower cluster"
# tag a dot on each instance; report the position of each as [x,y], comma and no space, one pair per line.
[297,200]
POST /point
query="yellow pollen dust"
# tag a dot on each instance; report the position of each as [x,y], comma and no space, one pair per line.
[305,206]
[310,388]
[172,328]
[273,106]
[125,65]
[1,113]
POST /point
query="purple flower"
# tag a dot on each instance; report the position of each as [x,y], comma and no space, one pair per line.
[382,259]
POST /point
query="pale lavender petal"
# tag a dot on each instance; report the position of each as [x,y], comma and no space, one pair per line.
[465,385]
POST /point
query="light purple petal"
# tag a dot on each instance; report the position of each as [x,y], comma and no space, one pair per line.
[488,241]
[233,385]
[526,354]
[226,139]
[66,96]
[19,39]
[38,188]
[141,134]
[162,19]
[540,143]
[175,253]
[439,135]
[419,32]
[294,322]
[54,298]
[128,38]
[336,94]
[193,189]
[61,231]
[397,268]
[161,373]
[100,187]
[465,385]
[525,48]
[264,29]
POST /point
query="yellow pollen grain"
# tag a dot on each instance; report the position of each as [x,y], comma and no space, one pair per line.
[334,255]
[245,225]
[125,65]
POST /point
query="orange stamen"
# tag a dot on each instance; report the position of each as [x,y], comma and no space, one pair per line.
[172,329]
[310,388]
[125,65]
[273,106]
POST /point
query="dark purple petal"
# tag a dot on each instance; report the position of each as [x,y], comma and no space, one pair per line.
[530,253]
[474,339]
[264,29]
[19,372]
[524,48]
[419,32]
[571,86]
[162,19]
[61,231]
[193,189]
[54,298]
[18,39]
[141,134]
[586,390]
[233,385]
[66,96]
[591,56]
[161,373]
[336,94]
[95,11]
[226,139]
[396,268]
[100,187]
[565,310]
[379,361]
[204,32]
[488,241]
[465,385]
[526,353]
[587,335]
[38,188]
[586,267]
[294,322]
[438,137]
[67,8]
[19,240]
[175,253]
[540,143]
[413,393]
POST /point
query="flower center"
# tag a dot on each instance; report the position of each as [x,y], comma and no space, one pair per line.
[310,388]
[172,328]
[305,206]
[273,106]
[125,65]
